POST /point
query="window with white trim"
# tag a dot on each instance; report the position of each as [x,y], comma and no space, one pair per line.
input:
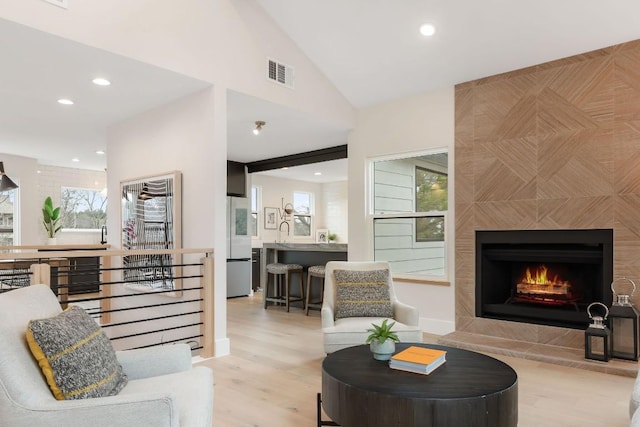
[409,210]
[302,213]
[83,208]
[8,211]
[255,210]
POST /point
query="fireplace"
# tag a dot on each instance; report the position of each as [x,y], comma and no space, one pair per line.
[544,277]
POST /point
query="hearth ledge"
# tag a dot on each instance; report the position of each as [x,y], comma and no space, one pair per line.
[557,355]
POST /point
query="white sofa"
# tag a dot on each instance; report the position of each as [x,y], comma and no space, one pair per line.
[634,404]
[163,388]
[352,331]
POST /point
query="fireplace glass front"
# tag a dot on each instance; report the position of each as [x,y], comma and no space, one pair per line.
[543,276]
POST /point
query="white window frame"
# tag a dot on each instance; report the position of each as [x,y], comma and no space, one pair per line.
[372,216]
[258,203]
[311,214]
[65,229]
[16,214]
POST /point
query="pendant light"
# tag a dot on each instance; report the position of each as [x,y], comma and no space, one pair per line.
[6,183]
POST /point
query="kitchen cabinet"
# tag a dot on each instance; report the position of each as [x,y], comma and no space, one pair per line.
[256,254]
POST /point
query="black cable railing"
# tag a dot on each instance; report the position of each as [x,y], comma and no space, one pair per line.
[132,308]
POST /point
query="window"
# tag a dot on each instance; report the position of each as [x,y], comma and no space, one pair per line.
[83,208]
[8,212]
[431,195]
[302,214]
[255,210]
[409,207]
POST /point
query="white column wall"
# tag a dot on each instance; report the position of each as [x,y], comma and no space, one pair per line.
[180,136]
[397,128]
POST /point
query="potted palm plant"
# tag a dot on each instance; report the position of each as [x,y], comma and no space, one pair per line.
[382,341]
[50,219]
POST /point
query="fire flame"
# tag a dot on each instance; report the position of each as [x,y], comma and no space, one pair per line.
[541,281]
[541,277]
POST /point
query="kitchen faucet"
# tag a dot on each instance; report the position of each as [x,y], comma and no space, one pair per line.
[280,229]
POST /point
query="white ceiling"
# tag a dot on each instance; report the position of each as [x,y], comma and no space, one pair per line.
[286,131]
[370,49]
[38,69]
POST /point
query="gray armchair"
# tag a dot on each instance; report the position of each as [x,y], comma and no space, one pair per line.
[352,331]
[163,388]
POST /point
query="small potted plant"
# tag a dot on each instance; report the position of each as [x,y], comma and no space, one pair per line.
[382,340]
[50,219]
[332,237]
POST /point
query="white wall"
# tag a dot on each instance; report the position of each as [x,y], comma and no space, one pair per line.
[336,209]
[225,42]
[400,128]
[181,137]
[274,190]
[35,183]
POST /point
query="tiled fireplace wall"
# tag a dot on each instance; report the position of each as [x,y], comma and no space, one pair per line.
[554,146]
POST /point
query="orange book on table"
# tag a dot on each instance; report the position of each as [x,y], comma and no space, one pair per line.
[419,355]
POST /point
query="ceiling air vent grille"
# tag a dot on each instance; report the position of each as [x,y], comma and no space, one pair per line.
[280,73]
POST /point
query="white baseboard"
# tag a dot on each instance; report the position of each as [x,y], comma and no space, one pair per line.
[222,347]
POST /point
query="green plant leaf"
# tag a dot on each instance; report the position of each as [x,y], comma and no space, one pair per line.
[382,332]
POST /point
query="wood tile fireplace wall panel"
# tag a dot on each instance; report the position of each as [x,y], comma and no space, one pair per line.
[554,146]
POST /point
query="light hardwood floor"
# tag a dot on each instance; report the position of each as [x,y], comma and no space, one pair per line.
[273,374]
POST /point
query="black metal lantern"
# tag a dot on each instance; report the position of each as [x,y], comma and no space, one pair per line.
[623,322]
[597,337]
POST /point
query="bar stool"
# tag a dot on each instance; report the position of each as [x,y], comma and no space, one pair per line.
[318,272]
[279,271]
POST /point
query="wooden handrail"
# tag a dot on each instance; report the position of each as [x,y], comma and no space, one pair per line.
[92,253]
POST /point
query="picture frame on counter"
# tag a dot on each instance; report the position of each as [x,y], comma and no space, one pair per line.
[270,218]
[322,236]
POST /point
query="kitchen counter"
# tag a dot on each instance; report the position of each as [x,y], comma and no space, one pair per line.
[307,247]
[305,254]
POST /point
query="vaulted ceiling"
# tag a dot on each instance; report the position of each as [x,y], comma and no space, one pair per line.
[371,50]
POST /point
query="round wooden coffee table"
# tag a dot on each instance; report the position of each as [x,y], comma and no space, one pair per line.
[470,389]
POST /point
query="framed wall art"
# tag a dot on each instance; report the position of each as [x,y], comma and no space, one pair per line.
[270,218]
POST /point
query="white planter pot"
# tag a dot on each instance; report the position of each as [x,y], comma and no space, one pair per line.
[382,351]
[52,241]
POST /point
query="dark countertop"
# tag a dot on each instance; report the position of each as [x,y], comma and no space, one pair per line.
[307,247]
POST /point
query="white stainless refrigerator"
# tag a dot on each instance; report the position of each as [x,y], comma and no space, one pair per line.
[238,247]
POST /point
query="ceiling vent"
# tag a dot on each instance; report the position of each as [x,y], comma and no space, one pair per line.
[280,73]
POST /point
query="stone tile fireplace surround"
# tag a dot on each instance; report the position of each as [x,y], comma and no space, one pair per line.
[553,146]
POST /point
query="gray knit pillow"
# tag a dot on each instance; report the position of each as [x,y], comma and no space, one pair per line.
[75,356]
[362,293]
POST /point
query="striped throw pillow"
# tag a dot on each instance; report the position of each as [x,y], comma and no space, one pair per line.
[362,293]
[76,357]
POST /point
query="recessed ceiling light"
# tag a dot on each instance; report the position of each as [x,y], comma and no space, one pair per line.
[100,152]
[65,101]
[101,82]
[427,30]
[318,173]
[75,159]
